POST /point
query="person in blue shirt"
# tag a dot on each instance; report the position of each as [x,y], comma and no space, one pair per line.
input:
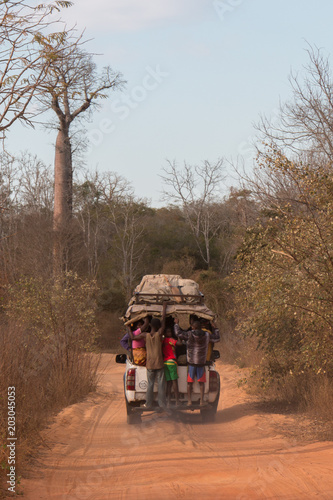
[125,341]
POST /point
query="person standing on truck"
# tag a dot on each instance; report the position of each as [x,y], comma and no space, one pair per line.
[197,342]
[214,335]
[125,341]
[170,365]
[138,343]
[154,361]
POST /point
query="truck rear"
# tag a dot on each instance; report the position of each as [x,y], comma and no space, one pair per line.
[184,301]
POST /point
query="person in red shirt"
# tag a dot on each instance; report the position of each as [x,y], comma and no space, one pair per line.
[170,365]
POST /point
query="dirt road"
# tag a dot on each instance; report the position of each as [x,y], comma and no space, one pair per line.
[95,455]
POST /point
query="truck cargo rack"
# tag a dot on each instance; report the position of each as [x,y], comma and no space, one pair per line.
[179,297]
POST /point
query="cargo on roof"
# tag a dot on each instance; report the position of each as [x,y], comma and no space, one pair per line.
[183,296]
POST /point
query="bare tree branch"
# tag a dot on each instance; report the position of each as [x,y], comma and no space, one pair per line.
[305,123]
[27,46]
[196,189]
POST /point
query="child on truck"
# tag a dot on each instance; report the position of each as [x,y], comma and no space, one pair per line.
[139,345]
[214,335]
[170,365]
[197,342]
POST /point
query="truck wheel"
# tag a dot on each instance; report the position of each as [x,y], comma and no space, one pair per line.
[208,415]
[133,418]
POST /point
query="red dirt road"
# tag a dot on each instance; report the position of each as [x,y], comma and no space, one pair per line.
[95,455]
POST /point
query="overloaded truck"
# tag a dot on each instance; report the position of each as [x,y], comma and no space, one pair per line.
[184,301]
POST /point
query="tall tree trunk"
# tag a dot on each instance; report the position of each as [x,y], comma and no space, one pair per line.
[63,178]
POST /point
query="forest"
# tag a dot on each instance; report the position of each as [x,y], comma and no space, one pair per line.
[74,242]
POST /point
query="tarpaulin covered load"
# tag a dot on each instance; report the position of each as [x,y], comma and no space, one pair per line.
[172,287]
[183,297]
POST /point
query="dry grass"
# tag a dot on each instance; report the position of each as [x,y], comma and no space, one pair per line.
[45,380]
[237,350]
[306,394]
[318,399]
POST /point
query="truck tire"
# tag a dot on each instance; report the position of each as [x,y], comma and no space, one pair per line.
[133,418]
[209,414]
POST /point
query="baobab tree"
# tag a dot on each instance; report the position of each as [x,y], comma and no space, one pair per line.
[73,87]
[27,46]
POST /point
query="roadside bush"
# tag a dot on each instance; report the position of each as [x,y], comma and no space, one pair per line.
[319,398]
[218,294]
[284,279]
[46,341]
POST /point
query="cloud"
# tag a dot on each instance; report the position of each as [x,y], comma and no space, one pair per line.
[129,15]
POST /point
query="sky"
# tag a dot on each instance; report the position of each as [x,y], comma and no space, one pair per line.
[199,74]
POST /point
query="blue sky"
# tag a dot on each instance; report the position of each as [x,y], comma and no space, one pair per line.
[199,73]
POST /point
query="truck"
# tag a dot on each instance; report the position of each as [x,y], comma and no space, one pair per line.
[184,301]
